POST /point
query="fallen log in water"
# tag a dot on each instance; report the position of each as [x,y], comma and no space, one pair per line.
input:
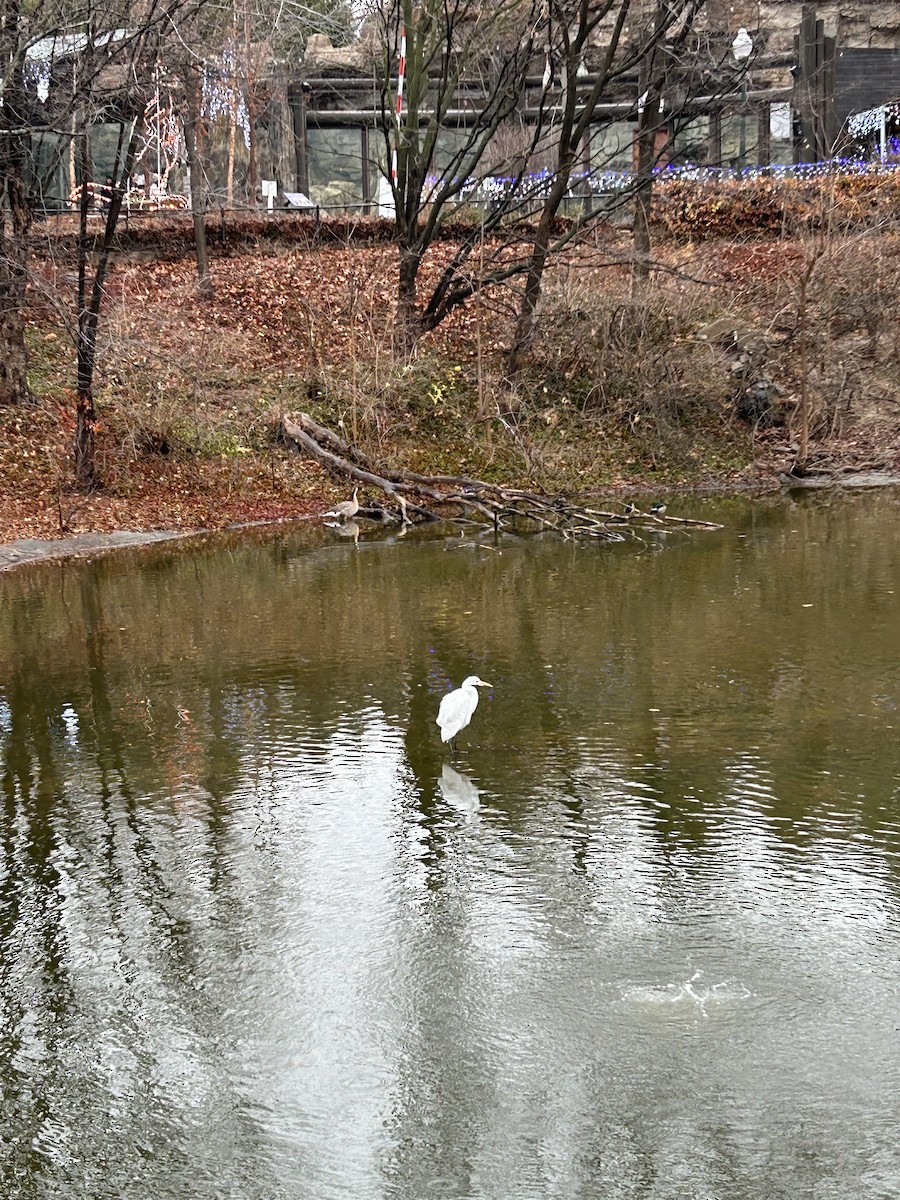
[470,501]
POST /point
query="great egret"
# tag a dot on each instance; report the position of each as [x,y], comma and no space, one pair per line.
[346,509]
[457,707]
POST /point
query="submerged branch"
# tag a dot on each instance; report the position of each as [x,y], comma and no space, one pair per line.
[470,501]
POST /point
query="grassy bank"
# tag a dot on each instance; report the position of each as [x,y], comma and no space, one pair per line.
[696,383]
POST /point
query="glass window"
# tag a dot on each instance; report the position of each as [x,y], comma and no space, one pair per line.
[690,144]
[740,139]
[612,146]
[49,178]
[335,167]
[781,133]
[104,143]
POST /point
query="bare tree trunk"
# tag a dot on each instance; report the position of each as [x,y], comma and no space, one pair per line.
[647,130]
[250,93]
[232,143]
[232,116]
[252,172]
[85,346]
[647,127]
[802,459]
[525,322]
[15,217]
[86,476]
[534,275]
[408,323]
[195,174]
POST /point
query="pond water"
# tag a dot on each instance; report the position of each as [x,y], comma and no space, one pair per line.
[260,940]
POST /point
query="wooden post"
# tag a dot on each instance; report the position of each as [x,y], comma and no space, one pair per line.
[764,135]
[301,143]
[714,150]
[829,113]
[366,180]
[195,176]
[814,88]
[818,94]
[806,83]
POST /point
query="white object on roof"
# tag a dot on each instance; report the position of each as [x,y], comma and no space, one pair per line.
[863,123]
[742,46]
[65,45]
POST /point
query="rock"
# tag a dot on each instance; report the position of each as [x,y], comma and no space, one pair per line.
[321,58]
[748,345]
[756,406]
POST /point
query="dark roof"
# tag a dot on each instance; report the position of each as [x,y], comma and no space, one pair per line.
[865,79]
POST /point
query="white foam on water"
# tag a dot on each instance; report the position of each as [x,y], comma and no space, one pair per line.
[692,996]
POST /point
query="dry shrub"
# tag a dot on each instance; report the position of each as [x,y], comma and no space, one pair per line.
[771,204]
[834,314]
[633,361]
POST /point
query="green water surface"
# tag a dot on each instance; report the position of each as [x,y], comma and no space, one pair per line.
[260,940]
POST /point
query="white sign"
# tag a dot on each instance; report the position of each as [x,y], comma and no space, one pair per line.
[269,188]
[385,197]
[298,200]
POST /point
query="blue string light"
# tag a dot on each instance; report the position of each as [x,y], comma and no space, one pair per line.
[537,185]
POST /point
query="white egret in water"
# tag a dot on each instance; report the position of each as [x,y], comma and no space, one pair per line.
[346,509]
[457,707]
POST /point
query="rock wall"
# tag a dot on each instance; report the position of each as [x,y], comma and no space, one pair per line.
[857,24]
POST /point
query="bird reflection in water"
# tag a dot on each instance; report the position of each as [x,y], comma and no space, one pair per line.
[347,529]
[459,792]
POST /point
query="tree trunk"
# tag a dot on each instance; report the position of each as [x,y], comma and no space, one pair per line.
[534,275]
[198,200]
[525,323]
[86,475]
[250,99]
[15,216]
[13,354]
[85,348]
[408,323]
[802,459]
[643,198]
[85,449]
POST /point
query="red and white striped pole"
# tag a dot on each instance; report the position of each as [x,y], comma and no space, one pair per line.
[401,72]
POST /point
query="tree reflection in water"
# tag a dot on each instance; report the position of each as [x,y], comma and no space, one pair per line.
[257,938]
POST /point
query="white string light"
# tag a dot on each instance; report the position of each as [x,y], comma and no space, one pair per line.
[537,186]
[870,121]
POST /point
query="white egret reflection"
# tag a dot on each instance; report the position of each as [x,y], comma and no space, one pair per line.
[458,791]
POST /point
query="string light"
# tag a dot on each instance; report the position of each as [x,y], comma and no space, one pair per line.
[223,95]
[37,75]
[868,122]
[537,186]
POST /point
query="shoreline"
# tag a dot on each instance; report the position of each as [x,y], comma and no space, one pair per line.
[23,552]
[28,551]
